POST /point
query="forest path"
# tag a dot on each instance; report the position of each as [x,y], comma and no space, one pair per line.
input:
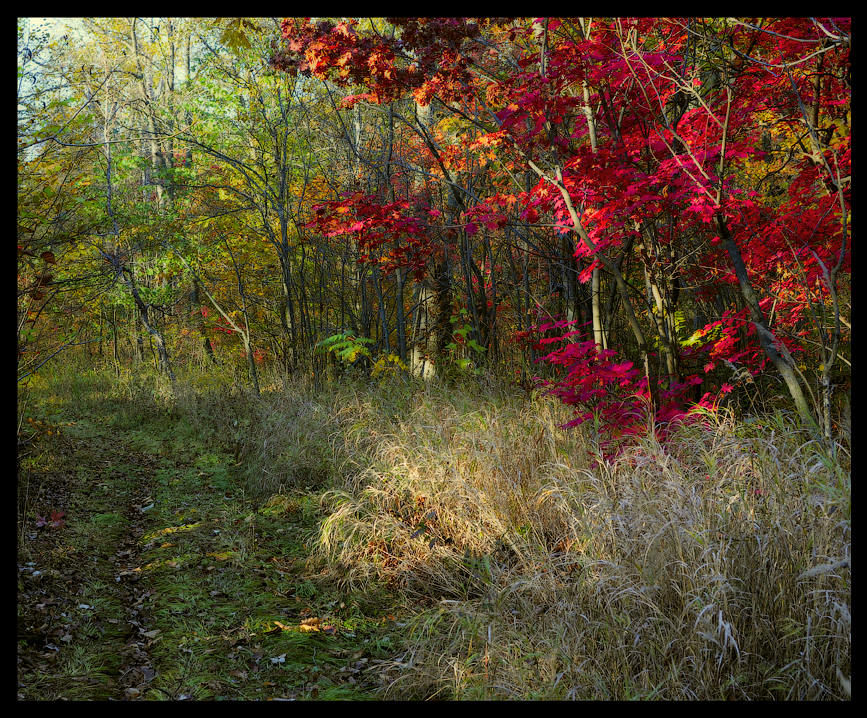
[163,581]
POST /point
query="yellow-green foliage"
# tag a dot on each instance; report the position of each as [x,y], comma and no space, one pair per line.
[388,366]
[346,347]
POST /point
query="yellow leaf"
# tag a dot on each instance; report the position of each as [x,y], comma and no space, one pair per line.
[220,555]
[309,624]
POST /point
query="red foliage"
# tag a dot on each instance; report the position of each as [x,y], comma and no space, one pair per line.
[388,234]
[672,150]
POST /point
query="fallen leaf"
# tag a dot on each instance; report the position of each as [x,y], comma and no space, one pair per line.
[151,634]
[145,595]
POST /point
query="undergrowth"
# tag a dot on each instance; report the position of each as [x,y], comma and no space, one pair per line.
[715,566]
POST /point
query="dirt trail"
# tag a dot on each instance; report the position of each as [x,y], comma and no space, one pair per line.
[162,581]
[80,610]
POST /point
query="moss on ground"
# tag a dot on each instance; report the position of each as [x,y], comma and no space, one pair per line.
[164,580]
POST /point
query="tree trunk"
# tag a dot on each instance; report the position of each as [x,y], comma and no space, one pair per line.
[596,305]
[614,270]
[659,311]
[401,315]
[595,281]
[114,340]
[383,320]
[200,322]
[782,361]
[101,310]
[288,302]
[251,364]
[165,363]
[136,337]
[442,328]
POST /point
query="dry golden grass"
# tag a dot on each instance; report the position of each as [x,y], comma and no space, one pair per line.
[715,567]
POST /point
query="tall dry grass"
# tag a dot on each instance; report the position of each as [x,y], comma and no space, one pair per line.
[715,567]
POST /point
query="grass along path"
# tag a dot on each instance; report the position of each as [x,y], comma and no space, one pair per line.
[515,563]
[162,580]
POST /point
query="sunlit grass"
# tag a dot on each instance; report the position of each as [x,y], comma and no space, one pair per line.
[714,566]
[671,573]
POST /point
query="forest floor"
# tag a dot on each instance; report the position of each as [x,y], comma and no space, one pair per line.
[393,540]
[144,572]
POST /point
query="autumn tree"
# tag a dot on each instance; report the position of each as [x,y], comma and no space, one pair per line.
[638,133]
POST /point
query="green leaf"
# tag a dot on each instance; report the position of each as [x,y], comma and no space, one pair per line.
[234,37]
